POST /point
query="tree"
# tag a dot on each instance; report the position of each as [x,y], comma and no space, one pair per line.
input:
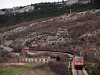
[96,1]
[4,56]
[57,58]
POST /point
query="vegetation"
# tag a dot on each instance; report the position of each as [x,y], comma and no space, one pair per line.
[69,65]
[44,10]
[92,68]
[15,69]
[6,56]
[10,71]
[30,65]
[58,68]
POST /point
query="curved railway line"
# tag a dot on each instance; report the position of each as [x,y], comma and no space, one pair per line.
[52,50]
[71,52]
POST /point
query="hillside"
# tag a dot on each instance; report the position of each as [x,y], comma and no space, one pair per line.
[66,30]
[16,15]
[74,32]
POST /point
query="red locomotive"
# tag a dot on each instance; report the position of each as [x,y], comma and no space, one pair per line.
[26,48]
[78,61]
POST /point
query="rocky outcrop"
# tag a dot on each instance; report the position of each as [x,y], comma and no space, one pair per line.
[15,10]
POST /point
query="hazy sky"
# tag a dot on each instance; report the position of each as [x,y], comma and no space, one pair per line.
[14,3]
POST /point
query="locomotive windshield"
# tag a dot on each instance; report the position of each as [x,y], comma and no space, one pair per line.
[79,59]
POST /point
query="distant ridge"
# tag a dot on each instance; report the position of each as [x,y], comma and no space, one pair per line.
[29,8]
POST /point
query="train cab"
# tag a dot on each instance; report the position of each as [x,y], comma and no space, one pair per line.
[78,61]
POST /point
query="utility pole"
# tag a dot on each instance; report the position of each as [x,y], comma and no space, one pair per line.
[70,11]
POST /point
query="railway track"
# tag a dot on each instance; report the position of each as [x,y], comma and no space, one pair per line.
[78,71]
[81,72]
